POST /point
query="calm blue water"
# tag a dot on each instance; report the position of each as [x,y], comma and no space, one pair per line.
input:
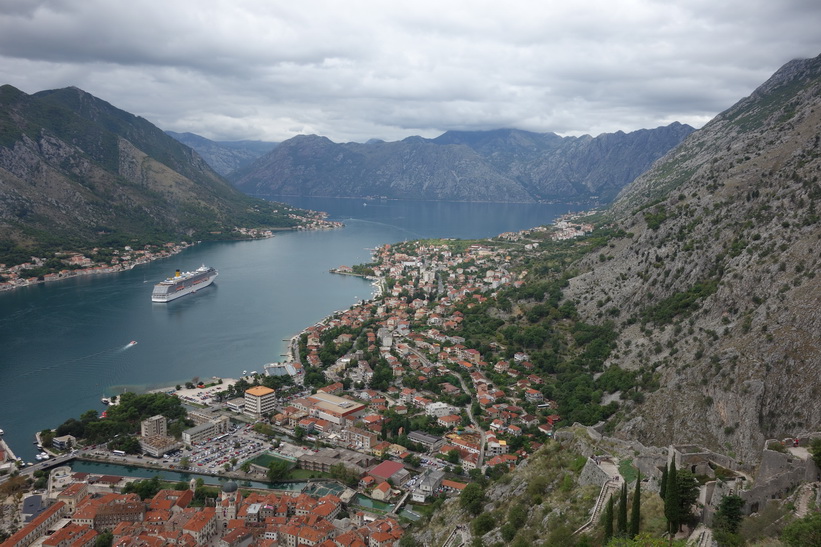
[62,345]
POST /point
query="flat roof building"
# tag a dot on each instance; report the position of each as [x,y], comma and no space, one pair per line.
[206,431]
[155,425]
[259,400]
[332,408]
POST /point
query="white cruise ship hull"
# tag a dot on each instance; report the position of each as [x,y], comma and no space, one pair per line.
[182,284]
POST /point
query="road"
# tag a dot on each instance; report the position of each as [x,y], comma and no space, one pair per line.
[469,406]
[474,422]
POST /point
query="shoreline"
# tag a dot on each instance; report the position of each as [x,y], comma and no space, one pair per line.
[13,281]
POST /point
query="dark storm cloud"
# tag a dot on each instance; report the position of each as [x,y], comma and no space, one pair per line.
[362,69]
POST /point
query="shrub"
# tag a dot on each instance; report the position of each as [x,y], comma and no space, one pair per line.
[483,524]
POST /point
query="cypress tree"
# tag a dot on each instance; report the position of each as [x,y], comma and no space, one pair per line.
[672,511]
[622,520]
[663,485]
[635,515]
[608,520]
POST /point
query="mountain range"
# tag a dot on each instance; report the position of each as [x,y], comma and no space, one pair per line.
[225,157]
[500,165]
[75,171]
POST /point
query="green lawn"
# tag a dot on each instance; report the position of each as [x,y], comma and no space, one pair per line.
[627,470]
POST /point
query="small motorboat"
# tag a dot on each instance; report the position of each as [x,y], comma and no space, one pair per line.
[132,343]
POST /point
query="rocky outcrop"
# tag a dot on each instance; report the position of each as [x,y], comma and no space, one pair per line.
[715,286]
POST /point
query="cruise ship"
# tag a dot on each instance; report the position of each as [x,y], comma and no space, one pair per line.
[183,283]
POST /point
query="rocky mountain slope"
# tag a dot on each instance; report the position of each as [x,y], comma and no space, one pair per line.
[500,165]
[714,290]
[75,170]
[225,157]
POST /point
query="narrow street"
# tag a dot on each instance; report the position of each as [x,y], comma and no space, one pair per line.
[469,408]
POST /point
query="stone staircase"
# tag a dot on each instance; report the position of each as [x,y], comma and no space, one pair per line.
[609,488]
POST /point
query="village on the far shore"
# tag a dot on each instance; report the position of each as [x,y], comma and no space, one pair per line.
[115,260]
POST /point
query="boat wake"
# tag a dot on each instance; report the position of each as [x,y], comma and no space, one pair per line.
[100,359]
[130,344]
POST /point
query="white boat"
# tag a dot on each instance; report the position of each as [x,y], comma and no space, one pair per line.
[183,283]
[2,432]
[105,401]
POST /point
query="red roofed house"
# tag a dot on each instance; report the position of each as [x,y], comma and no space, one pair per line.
[390,470]
[38,526]
[202,526]
[381,491]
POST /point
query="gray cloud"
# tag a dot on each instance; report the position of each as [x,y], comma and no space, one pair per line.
[361,69]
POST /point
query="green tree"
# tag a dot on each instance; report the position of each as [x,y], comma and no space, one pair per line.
[246,467]
[729,514]
[635,514]
[803,532]
[344,475]
[104,539]
[483,524]
[147,488]
[517,516]
[687,486]
[621,526]
[46,436]
[672,504]
[815,450]
[663,483]
[607,520]
[645,540]
[508,532]
[278,470]
[472,498]
[453,456]
[89,416]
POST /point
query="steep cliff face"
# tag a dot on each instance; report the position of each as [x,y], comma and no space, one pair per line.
[716,290]
[75,170]
[500,165]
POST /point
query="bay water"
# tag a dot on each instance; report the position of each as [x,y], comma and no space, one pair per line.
[63,345]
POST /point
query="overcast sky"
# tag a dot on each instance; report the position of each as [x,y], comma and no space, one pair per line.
[354,70]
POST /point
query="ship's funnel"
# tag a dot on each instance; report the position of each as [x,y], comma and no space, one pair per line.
[177,274]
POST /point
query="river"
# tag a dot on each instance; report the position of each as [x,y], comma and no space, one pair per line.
[63,344]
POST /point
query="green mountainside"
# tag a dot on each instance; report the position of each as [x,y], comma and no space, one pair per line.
[77,172]
[499,165]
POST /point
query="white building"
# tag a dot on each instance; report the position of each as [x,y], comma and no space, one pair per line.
[259,400]
[154,426]
[206,431]
[439,409]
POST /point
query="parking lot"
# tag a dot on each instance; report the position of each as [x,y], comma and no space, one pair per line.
[238,445]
